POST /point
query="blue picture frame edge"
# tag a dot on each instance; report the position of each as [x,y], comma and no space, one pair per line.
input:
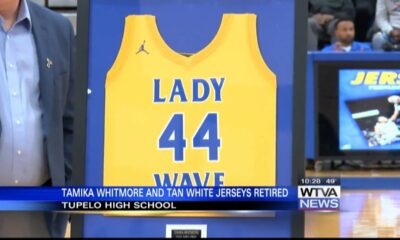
[299,65]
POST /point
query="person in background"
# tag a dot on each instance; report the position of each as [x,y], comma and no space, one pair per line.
[364,19]
[344,39]
[386,130]
[388,21]
[36,110]
[322,15]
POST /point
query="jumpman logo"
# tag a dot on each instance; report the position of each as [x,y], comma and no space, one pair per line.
[141,49]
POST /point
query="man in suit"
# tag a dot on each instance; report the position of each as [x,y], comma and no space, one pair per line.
[36,109]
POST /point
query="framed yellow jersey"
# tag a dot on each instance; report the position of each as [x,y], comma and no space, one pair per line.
[202,119]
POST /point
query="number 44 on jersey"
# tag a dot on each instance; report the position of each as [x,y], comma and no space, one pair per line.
[206,137]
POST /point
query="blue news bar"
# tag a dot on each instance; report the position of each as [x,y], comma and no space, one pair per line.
[57,194]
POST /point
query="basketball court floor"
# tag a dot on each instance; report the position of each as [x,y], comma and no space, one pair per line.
[365,213]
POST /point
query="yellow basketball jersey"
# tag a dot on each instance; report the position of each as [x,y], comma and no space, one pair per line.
[207,119]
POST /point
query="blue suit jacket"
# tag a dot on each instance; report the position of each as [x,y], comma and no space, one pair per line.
[55,42]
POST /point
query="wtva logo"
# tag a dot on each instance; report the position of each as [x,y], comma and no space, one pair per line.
[319,197]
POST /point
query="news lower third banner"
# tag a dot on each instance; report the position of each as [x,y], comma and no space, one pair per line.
[309,195]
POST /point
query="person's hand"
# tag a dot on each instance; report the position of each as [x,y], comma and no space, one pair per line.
[327,18]
[395,34]
[319,18]
[338,47]
[395,99]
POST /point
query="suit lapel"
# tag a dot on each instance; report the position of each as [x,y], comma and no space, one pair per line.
[45,53]
[43,49]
